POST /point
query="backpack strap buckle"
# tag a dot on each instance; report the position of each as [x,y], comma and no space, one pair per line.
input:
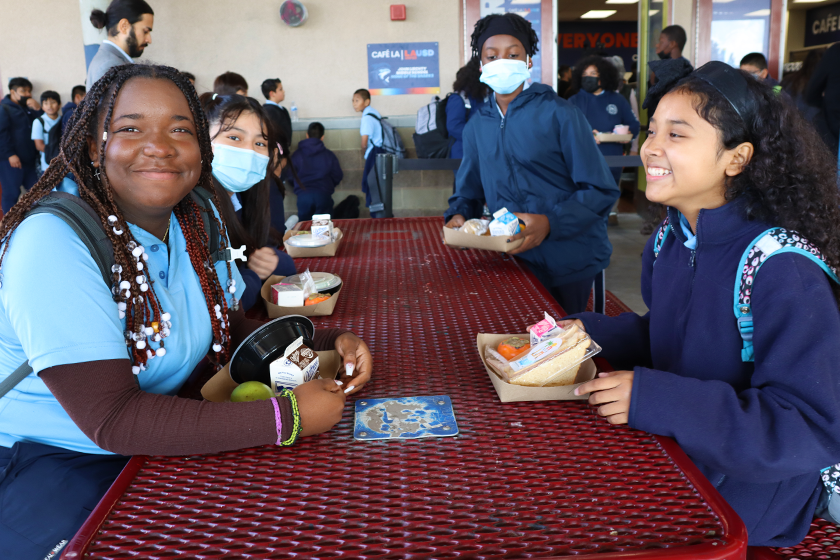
[232,254]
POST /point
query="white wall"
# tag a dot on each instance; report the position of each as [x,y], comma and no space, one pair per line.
[321,62]
[683,15]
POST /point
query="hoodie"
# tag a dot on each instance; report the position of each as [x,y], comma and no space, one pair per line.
[16,132]
[317,167]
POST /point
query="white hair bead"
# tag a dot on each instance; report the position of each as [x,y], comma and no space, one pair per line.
[117,231]
[141,344]
[135,370]
[161,352]
[156,337]
[137,251]
[121,306]
[121,314]
[149,331]
[232,289]
[145,257]
[165,317]
[139,266]
[112,219]
[125,285]
[149,354]
[217,348]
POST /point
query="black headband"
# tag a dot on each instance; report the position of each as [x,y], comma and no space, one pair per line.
[503,26]
[732,85]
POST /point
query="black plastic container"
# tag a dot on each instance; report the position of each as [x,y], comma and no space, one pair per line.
[252,359]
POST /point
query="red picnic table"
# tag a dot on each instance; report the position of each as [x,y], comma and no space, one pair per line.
[521,480]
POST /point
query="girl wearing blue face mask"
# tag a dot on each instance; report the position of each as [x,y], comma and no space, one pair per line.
[533,153]
[244,152]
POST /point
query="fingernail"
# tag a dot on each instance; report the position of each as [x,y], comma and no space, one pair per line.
[350,368]
[576,391]
[338,382]
[348,389]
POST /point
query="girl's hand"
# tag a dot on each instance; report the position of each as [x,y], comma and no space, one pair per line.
[320,404]
[536,230]
[564,324]
[612,390]
[455,221]
[263,261]
[357,362]
[595,134]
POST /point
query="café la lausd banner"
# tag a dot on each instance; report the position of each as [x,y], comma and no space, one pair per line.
[400,68]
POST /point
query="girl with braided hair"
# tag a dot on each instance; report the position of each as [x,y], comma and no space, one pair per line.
[108,360]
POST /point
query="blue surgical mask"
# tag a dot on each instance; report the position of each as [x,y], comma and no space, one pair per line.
[237,169]
[505,75]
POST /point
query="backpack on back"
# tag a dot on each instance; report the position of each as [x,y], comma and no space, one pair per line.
[52,140]
[430,135]
[391,141]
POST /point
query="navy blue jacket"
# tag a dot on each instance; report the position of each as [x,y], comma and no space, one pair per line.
[317,167]
[16,132]
[457,116]
[66,113]
[760,431]
[541,159]
[604,112]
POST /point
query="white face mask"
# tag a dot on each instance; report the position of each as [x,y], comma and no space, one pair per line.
[238,169]
[505,75]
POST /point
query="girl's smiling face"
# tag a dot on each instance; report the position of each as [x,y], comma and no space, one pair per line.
[245,132]
[686,166]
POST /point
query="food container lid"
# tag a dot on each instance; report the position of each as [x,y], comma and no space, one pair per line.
[306,240]
[323,280]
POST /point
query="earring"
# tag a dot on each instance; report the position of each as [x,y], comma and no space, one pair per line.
[96,174]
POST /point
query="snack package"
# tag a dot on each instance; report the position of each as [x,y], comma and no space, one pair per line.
[287,295]
[504,223]
[476,227]
[322,227]
[545,329]
[298,365]
[553,362]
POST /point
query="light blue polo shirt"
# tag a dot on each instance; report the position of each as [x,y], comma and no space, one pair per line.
[371,128]
[41,132]
[56,310]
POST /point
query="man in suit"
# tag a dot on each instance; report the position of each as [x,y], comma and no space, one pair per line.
[272,90]
[129,24]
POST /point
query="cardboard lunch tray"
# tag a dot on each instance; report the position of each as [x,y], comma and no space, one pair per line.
[518,393]
[328,250]
[317,310]
[498,243]
[610,137]
[219,387]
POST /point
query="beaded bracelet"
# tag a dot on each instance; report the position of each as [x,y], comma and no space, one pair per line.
[295,414]
[278,422]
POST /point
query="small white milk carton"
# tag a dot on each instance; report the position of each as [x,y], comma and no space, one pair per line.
[287,295]
[298,365]
[504,223]
[545,329]
[322,227]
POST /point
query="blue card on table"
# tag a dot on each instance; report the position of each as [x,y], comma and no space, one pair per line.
[405,418]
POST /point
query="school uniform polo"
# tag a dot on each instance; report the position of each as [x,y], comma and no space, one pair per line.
[41,132]
[55,310]
[371,128]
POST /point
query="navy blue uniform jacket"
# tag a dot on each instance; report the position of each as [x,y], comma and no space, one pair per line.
[457,116]
[604,112]
[760,431]
[541,159]
[317,167]
[16,132]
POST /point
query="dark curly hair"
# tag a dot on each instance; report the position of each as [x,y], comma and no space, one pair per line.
[142,309]
[518,22]
[467,80]
[791,180]
[606,71]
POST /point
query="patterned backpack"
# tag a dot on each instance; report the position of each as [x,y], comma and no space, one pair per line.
[774,241]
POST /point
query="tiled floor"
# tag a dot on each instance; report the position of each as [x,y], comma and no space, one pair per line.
[624,272]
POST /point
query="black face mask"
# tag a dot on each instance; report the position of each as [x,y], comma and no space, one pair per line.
[22,101]
[663,55]
[590,84]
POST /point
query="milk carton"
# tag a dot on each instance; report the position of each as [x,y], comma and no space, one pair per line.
[322,227]
[298,365]
[504,223]
[545,329]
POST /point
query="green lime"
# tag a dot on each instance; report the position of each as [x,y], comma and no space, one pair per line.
[251,391]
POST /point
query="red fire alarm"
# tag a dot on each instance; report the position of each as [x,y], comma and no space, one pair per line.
[397,12]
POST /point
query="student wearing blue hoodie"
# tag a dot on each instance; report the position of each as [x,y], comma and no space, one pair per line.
[318,173]
[18,156]
[758,412]
[533,153]
[596,81]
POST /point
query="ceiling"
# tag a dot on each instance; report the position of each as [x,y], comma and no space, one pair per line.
[571,10]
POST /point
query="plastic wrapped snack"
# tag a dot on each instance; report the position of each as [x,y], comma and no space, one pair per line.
[553,362]
[476,227]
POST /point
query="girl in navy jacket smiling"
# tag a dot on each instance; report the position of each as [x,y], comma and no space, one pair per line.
[730,160]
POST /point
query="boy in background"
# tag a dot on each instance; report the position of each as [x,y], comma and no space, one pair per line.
[371,133]
[272,90]
[41,127]
[319,173]
[756,64]
[18,156]
[76,96]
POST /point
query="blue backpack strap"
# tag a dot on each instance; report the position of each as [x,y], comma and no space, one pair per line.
[772,242]
[664,228]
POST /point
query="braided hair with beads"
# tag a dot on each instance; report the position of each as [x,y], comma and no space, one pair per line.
[136,300]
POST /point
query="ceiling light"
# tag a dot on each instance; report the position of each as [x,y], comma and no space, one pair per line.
[653,12]
[597,14]
[807,1]
[759,13]
[622,1]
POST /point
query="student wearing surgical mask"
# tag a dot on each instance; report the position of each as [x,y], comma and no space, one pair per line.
[243,164]
[533,153]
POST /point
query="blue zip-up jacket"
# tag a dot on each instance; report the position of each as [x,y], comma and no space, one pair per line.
[759,431]
[16,132]
[66,113]
[457,116]
[541,159]
[317,167]
[603,112]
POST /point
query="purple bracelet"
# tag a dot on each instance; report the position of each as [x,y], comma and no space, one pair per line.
[278,421]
